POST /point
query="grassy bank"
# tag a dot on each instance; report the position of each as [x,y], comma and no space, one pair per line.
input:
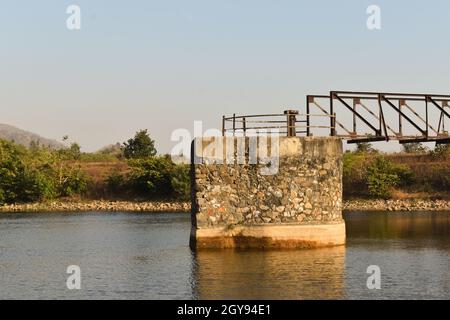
[132,173]
[373,175]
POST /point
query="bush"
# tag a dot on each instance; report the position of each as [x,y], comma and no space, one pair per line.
[74,181]
[151,176]
[414,147]
[37,174]
[383,175]
[354,173]
[155,177]
[11,168]
[116,182]
[37,185]
[440,177]
[440,151]
[181,182]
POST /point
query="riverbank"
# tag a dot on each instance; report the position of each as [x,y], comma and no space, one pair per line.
[397,205]
[98,205]
[160,206]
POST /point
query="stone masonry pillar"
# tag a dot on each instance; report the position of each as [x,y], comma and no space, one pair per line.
[236,205]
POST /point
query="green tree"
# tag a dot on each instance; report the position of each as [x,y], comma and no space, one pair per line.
[37,174]
[11,167]
[181,182]
[141,146]
[414,147]
[383,175]
[151,176]
[364,147]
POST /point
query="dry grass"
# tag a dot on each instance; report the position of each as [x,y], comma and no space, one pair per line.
[99,171]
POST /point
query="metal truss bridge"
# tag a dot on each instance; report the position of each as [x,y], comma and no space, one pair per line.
[357,117]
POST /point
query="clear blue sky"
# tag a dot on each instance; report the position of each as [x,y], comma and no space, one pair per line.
[163,64]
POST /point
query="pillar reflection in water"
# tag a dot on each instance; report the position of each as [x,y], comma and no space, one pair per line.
[272,274]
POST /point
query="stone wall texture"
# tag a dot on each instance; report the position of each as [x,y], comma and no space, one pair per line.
[306,190]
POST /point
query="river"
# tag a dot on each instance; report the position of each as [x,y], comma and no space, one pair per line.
[146,256]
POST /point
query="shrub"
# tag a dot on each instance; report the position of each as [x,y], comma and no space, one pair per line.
[37,174]
[157,177]
[440,151]
[151,176]
[414,147]
[11,168]
[383,175]
[74,181]
[181,183]
[440,177]
[116,182]
[354,173]
[365,147]
[36,185]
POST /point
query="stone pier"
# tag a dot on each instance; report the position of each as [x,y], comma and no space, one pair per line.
[237,203]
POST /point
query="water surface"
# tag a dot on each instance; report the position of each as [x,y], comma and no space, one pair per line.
[146,256]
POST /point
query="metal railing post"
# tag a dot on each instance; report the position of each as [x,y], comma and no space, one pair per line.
[332,128]
[308,122]
[426,116]
[223,126]
[291,120]
[234,124]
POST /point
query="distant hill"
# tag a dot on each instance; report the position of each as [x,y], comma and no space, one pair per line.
[25,138]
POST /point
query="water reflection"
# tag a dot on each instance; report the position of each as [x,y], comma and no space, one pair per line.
[275,274]
[146,256]
[397,225]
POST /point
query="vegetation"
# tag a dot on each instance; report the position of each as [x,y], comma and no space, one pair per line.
[149,176]
[38,174]
[383,175]
[441,151]
[141,146]
[134,171]
[414,148]
[368,173]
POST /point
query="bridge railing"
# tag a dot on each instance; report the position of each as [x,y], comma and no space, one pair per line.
[290,123]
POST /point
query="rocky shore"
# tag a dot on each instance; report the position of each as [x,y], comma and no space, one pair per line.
[397,205]
[129,206]
[98,205]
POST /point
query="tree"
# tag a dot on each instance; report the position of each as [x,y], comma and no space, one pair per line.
[151,176]
[141,146]
[364,147]
[414,147]
[114,150]
[440,151]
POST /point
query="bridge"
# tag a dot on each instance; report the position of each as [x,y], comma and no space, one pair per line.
[236,204]
[357,117]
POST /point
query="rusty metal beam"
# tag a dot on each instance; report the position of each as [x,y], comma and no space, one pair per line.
[403,115]
[377,132]
[369,139]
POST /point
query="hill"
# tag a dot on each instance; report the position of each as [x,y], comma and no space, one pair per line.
[22,137]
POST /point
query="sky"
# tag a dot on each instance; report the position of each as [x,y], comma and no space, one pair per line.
[160,65]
